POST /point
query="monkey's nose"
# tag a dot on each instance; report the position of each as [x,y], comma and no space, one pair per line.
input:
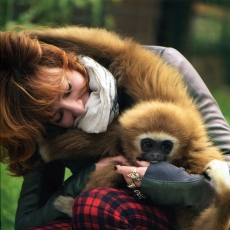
[155,156]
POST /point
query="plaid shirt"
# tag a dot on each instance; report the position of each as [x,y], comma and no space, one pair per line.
[107,208]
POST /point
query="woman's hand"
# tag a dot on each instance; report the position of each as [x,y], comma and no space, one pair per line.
[109,160]
[126,170]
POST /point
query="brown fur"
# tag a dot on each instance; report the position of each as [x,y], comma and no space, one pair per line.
[161,105]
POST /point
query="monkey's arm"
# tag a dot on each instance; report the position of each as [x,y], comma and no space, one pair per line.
[99,44]
[217,126]
[166,184]
[78,143]
[138,70]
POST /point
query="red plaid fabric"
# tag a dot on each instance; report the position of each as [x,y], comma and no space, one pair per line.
[107,208]
[55,225]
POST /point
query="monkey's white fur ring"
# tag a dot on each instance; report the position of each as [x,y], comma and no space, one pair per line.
[134,175]
[131,185]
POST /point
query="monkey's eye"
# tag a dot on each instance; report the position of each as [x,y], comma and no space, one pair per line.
[147,144]
[167,146]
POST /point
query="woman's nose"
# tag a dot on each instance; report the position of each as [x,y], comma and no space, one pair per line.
[76,107]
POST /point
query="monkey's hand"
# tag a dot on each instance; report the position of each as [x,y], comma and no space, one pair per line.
[64,204]
[77,143]
[218,171]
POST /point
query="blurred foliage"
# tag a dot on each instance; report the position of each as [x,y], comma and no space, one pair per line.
[210,28]
[54,13]
[222,96]
[10,189]
[9,193]
[208,46]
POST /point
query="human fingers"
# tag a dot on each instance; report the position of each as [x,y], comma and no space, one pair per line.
[141,163]
[109,160]
[120,159]
[131,173]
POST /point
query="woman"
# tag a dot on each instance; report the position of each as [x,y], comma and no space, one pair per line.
[44,86]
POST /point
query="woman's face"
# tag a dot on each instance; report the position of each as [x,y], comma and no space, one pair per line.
[71,103]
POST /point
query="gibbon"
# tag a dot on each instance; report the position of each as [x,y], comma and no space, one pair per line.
[162,123]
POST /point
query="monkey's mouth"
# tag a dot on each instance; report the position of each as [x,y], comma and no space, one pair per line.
[153,162]
[153,158]
[141,159]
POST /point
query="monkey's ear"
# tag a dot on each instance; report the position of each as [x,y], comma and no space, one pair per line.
[43,149]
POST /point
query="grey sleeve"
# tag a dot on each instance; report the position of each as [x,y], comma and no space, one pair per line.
[217,126]
[166,184]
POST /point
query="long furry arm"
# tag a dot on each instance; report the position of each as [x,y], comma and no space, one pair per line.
[138,69]
[100,44]
[77,143]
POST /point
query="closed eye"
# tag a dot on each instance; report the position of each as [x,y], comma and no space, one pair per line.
[68,90]
[59,116]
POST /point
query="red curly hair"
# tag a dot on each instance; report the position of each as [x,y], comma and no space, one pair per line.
[27,91]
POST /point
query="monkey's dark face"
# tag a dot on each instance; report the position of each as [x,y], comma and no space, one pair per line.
[154,150]
[155,147]
[159,131]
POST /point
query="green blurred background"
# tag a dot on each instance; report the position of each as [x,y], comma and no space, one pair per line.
[200,30]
